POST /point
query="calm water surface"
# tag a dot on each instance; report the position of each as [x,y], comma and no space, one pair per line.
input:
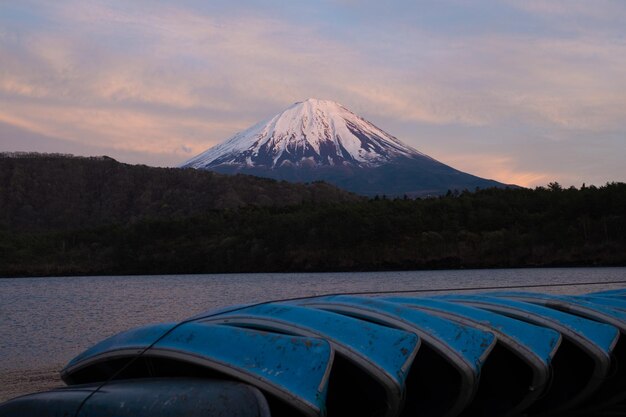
[44,322]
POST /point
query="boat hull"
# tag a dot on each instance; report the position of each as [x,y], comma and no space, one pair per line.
[371,363]
[144,398]
[293,370]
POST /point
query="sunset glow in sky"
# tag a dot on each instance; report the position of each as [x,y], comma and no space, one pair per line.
[520,91]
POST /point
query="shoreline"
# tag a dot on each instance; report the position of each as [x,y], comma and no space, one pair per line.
[356,271]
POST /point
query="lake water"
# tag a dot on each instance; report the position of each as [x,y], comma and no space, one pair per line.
[44,322]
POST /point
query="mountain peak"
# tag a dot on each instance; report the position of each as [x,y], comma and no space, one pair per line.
[318,102]
[313,132]
[317,139]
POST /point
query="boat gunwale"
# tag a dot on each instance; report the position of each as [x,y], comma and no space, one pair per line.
[540,368]
[394,389]
[584,308]
[281,325]
[468,373]
[571,305]
[600,358]
[470,321]
[308,331]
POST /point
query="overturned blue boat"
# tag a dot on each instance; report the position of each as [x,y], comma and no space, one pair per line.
[523,349]
[583,360]
[490,354]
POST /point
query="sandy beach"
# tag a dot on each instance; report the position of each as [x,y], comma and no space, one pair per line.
[20,382]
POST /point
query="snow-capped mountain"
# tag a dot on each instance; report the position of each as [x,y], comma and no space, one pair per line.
[322,140]
[313,132]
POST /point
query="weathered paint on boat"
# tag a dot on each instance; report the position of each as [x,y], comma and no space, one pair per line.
[603,337]
[619,293]
[387,349]
[575,305]
[166,397]
[384,353]
[293,369]
[463,347]
[597,340]
[537,342]
[535,346]
[612,302]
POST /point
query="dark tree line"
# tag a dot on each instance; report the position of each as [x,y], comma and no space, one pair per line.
[546,226]
[52,191]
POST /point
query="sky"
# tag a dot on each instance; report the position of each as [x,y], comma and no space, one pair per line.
[520,91]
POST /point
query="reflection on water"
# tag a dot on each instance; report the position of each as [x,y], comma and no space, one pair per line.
[44,322]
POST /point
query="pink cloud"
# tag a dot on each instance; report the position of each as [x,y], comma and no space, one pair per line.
[168,78]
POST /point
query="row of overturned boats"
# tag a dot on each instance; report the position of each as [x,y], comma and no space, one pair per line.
[486,354]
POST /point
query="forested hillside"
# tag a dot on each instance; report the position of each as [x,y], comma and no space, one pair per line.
[49,191]
[489,228]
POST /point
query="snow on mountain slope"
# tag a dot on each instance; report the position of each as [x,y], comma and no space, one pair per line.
[321,140]
[309,133]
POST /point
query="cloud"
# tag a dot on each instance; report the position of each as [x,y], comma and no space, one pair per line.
[501,168]
[157,77]
[261,60]
[602,10]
